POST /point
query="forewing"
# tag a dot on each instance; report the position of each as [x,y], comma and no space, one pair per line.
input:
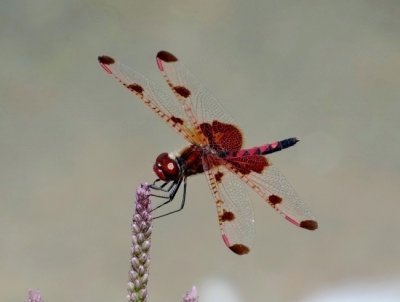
[200,106]
[153,97]
[235,214]
[275,189]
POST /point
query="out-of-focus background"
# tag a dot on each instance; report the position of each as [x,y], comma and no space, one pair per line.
[74,145]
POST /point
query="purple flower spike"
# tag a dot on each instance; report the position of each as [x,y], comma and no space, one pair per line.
[191,295]
[34,296]
[140,251]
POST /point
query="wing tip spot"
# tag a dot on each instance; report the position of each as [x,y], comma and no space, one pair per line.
[239,249]
[309,225]
[166,56]
[106,60]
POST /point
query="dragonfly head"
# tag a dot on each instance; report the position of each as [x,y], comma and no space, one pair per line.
[166,167]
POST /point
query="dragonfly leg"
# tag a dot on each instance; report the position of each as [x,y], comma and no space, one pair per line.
[182,201]
[172,190]
[161,187]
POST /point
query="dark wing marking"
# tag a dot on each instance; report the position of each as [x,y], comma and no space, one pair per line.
[199,105]
[235,214]
[274,188]
[153,97]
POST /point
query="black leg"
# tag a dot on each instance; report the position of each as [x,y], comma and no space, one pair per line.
[161,188]
[172,190]
[182,202]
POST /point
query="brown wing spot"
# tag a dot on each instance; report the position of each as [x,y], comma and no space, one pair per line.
[166,56]
[177,120]
[274,199]
[135,88]
[182,91]
[106,60]
[227,216]
[218,176]
[239,249]
[309,225]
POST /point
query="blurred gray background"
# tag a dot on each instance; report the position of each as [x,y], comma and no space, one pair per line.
[74,146]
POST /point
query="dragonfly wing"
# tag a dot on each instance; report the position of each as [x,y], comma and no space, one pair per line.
[153,97]
[235,214]
[274,188]
[200,104]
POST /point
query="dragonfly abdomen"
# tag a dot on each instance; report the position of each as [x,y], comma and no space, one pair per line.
[261,150]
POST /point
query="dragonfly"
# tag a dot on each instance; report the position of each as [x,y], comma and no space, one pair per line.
[215,149]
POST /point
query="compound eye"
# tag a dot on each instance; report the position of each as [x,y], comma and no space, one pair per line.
[166,168]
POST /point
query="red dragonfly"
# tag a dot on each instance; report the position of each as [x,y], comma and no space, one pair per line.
[215,149]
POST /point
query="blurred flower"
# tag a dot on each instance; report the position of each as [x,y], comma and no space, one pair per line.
[34,296]
[191,295]
[140,251]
